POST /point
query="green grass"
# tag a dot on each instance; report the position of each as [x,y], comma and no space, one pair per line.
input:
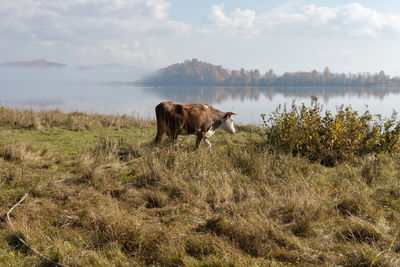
[103,195]
[66,142]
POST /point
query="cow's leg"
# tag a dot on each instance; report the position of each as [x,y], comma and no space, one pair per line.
[198,140]
[160,133]
[207,142]
[173,134]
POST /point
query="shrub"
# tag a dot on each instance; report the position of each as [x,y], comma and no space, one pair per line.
[327,137]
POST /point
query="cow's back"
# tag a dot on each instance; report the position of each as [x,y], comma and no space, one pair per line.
[182,119]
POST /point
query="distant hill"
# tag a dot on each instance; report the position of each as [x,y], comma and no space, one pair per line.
[197,73]
[190,72]
[39,64]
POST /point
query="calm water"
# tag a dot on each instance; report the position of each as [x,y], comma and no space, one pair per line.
[248,103]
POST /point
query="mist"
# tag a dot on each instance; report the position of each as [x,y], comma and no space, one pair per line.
[83,74]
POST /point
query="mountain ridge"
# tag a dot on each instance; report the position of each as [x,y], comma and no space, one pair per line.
[38,63]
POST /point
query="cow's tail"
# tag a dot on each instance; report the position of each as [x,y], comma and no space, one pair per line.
[160,116]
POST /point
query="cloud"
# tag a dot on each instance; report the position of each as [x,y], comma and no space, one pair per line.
[88,23]
[239,18]
[238,21]
[354,20]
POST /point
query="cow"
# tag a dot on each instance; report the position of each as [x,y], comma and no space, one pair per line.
[185,119]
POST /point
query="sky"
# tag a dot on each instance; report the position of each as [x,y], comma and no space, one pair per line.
[347,36]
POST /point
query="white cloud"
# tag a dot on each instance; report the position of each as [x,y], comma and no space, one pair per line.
[347,20]
[88,23]
[239,20]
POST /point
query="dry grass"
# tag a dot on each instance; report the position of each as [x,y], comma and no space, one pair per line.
[119,201]
[76,121]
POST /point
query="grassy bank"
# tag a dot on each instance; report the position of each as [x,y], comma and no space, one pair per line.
[101,195]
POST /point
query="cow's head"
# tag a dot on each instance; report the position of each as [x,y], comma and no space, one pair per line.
[227,123]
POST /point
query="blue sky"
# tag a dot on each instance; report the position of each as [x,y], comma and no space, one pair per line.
[347,36]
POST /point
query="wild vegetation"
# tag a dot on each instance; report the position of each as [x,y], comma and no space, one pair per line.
[100,194]
[328,137]
[197,73]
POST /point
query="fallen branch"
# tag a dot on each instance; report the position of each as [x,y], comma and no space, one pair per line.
[23,241]
[60,181]
[141,157]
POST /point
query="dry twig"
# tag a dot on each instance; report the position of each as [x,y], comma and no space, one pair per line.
[23,241]
[142,157]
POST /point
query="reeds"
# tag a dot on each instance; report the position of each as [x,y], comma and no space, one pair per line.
[76,121]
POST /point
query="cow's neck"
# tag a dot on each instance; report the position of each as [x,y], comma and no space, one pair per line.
[217,120]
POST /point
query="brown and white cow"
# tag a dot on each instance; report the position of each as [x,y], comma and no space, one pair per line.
[183,119]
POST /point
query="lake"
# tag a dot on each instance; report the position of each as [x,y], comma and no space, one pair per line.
[247,102]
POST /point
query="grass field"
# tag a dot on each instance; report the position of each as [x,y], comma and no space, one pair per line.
[100,194]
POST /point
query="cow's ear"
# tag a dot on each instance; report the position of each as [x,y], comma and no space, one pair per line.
[229,114]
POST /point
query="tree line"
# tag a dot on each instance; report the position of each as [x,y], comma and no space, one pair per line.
[197,73]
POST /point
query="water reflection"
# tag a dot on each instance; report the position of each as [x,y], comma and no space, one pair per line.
[220,94]
[247,102]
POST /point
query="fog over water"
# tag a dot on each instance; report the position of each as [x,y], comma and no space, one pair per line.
[247,102]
